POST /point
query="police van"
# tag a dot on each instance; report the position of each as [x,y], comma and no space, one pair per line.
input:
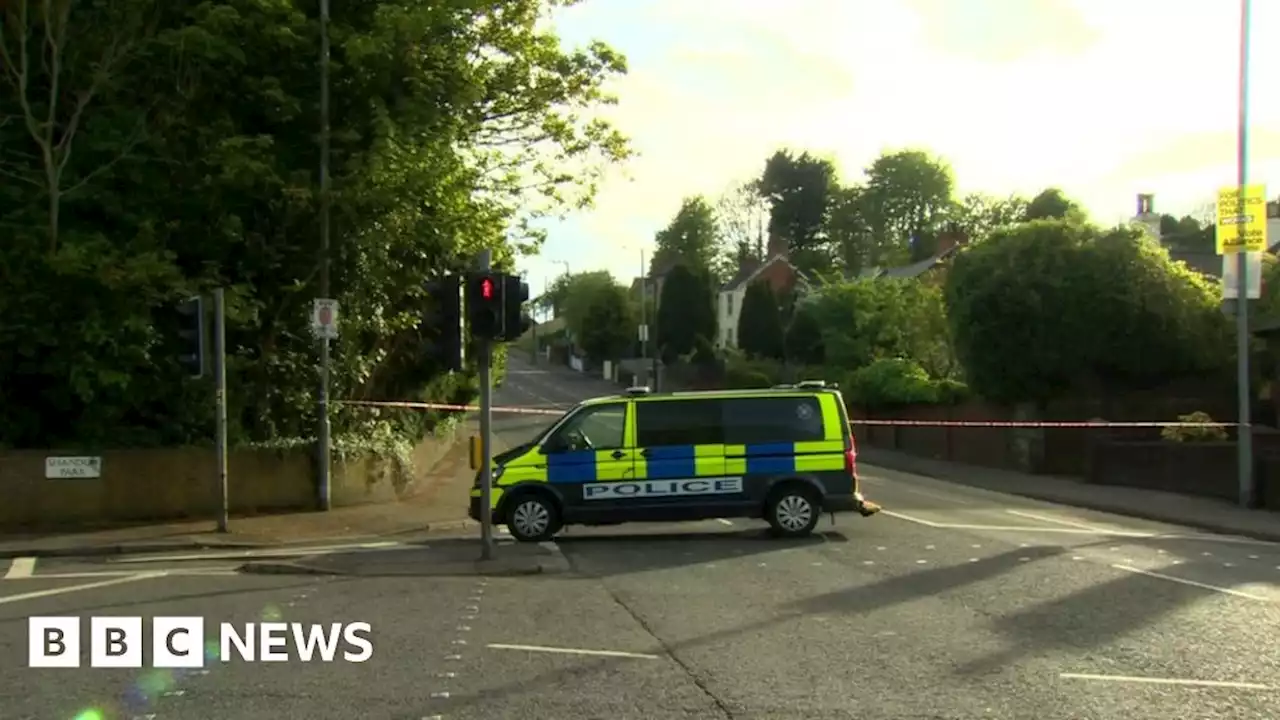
[784,454]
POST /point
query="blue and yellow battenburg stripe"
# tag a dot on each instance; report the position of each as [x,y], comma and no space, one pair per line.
[682,461]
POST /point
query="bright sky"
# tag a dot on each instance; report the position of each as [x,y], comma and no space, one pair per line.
[1103,98]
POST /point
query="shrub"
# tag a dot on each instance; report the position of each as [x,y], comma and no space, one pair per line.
[1207,433]
[894,382]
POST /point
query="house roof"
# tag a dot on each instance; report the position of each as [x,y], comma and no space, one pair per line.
[915,269]
[746,276]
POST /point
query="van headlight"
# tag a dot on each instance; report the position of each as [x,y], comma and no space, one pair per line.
[497,473]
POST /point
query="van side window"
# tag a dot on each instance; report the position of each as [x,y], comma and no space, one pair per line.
[772,420]
[602,426]
[678,422]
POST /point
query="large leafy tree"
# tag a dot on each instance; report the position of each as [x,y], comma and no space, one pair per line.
[608,322]
[692,239]
[799,190]
[907,198]
[760,332]
[1051,305]
[167,148]
[686,312]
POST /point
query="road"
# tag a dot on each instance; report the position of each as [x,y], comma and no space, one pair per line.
[955,603]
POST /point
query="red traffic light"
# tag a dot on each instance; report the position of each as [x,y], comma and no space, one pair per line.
[486,289]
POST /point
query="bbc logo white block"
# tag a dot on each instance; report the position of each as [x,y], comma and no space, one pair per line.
[115,642]
[177,642]
[53,642]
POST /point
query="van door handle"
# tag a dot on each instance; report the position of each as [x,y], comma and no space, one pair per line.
[618,455]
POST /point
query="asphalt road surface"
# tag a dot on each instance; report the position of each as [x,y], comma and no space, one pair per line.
[955,603]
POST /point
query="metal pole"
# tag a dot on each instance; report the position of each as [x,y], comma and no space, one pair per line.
[1244,442]
[644,300]
[486,435]
[323,450]
[220,377]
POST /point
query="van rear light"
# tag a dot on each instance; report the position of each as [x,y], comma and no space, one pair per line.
[851,461]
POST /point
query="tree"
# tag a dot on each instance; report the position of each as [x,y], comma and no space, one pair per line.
[908,196]
[850,232]
[433,112]
[868,320]
[691,239]
[742,215]
[607,325]
[1050,305]
[804,337]
[798,189]
[686,312]
[1051,204]
[979,215]
[760,331]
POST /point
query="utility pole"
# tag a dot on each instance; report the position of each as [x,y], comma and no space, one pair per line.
[1244,439]
[484,263]
[323,409]
[220,377]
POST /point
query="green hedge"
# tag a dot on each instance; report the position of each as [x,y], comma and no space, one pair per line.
[891,383]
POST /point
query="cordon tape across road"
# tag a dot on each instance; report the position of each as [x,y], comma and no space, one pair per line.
[558,410]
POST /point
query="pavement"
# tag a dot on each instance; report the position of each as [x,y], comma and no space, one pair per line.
[956,602]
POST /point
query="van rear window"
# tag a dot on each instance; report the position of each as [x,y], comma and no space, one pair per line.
[772,419]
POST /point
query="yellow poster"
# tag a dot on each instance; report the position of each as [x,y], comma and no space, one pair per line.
[1238,231]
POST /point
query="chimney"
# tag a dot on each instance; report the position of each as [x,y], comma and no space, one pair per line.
[1146,204]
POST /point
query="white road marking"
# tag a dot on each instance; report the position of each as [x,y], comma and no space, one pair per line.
[1192,583]
[125,573]
[909,518]
[722,521]
[22,567]
[1048,519]
[573,651]
[7,599]
[270,552]
[1165,681]
[934,495]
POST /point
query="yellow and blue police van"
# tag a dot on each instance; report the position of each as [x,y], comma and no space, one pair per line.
[784,454]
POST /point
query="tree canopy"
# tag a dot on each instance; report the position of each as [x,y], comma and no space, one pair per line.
[159,150]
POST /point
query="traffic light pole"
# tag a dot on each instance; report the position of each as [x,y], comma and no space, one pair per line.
[220,376]
[484,263]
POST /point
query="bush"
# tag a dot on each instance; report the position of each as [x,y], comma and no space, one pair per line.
[1209,433]
[744,374]
[895,382]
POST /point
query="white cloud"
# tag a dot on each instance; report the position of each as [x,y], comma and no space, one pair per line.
[1104,99]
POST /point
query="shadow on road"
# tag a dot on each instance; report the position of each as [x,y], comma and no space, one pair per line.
[604,555]
[856,600]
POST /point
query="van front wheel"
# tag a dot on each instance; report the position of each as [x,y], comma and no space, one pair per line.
[533,517]
[793,512]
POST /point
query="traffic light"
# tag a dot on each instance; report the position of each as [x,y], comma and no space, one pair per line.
[444,322]
[191,335]
[484,305]
[515,293]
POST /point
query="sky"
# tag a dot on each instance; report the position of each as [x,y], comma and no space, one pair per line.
[1104,99]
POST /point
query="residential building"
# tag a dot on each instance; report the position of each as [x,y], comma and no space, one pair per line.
[1205,262]
[949,243]
[776,270]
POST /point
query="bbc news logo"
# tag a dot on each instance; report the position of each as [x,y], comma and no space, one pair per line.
[179,642]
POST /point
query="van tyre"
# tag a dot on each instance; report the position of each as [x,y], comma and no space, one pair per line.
[793,511]
[533,517]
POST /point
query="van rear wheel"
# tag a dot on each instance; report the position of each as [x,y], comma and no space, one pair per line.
[533,517]
[793,511]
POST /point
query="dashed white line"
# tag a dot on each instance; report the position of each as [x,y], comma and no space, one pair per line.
[1165,681]
[1048,519]
[1191,583]
[23,567]
[722,521]
[573,651]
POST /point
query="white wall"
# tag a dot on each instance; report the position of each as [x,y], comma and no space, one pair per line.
[728,308]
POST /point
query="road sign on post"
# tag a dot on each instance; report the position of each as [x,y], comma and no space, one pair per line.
[1241,229]
[324,318]
[1231,278]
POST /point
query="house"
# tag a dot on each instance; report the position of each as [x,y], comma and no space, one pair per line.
[949,243]
[776,270]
